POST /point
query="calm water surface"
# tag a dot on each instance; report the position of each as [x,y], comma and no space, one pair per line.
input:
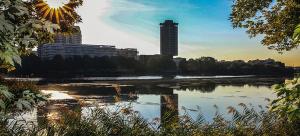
[152,100]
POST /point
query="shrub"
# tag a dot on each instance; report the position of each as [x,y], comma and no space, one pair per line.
[105,122]
[287,103]
[19,96]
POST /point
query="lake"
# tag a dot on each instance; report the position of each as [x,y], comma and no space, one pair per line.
[152,97]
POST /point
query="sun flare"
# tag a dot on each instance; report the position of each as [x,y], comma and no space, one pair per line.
[56,3]
[58,11]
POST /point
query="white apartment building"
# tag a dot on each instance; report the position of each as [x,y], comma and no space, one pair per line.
[71,45]
[128,52]
[48,51]
[74,38]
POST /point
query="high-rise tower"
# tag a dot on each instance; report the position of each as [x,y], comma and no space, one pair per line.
[169,38]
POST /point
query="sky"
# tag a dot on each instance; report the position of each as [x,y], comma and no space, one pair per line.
[204,28]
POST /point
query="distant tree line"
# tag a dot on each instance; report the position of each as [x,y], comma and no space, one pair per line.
[78,66]
[211,66]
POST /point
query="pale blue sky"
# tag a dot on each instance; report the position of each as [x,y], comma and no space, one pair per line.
[204,28]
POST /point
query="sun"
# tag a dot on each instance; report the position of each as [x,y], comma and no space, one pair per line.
[61,12]
[56,3]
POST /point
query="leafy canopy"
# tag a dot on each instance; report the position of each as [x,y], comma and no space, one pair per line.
[18,96]
[287,102]
[22,28]
[275,20]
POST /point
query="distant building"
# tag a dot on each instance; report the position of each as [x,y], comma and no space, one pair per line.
[74,38]
[48,51]
[128,52]
[71,45]
[169,38]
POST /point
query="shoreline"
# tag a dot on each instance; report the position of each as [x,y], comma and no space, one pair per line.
[220,81]
[150,80]
[126,78]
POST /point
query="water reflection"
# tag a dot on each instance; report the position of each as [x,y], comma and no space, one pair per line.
[205,88]
[169,109]
[54,110]
[164,100]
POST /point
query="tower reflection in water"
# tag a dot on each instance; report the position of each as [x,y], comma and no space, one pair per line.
[169,110]
[54,110]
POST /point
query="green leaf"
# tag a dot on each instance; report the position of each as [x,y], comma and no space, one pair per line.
[2,104]
[11,16]
[37,26]
[275,101]
[4,91]
[287,103]
[296,35]
[21,103]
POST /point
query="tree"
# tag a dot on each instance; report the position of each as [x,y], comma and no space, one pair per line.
[57,63]
[275,20]
[287,102]
[278,21]
[31,65]
[23,27]
[20,31]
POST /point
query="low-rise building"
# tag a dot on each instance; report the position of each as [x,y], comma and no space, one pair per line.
[128,52]
[69,45]
[48,51]
[74,38]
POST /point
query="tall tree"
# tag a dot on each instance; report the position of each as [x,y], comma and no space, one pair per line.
[19,31]
[275,20]
[23,27]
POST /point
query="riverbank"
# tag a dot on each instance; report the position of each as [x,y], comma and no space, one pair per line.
[158,79]
[220,81]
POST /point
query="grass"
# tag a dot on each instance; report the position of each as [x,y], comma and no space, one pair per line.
[126,122]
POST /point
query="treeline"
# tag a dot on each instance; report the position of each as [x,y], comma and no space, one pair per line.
[78,66]
[211,66]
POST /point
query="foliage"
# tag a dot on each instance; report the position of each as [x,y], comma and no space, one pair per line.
[287,102]
[115,66]
[22,28]
[275,20]
[104,122]
[20,31]
[160,65]
[211,66]
[15,98]
[19,96]
[296,35]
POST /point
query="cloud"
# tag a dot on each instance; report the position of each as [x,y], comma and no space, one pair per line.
[126,5]
[96,31]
